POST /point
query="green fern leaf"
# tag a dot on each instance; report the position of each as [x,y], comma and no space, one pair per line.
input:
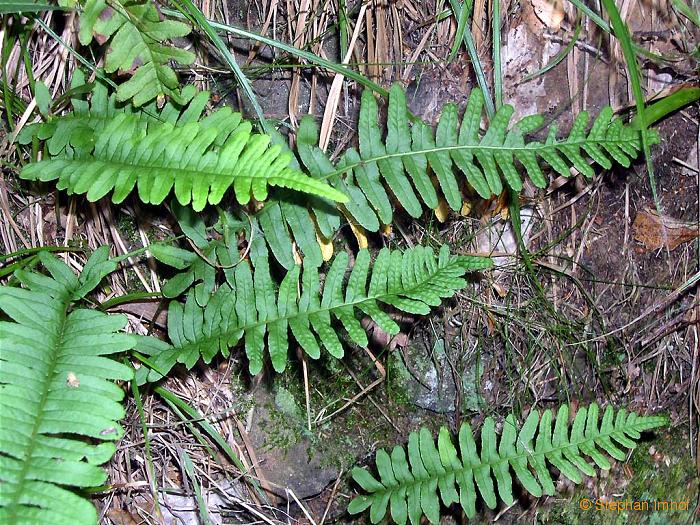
[58,405]
[395,168]
[415,486]
[103,149]
[248,306]
[138,46]
[77,128]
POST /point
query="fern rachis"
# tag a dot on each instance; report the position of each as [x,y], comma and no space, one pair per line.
[409,487]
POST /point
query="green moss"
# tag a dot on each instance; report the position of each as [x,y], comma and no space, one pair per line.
[397,376]
[666,475]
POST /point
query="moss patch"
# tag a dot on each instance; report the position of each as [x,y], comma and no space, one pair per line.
[658,472]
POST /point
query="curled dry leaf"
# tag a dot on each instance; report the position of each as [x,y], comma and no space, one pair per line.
[326,246]
[656,231]
[382,338]
[550,12]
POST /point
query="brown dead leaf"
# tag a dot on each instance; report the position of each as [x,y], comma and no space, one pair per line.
[148,310]
[442,210]
[550,12]
[122,517]
[383,339]
[655,231]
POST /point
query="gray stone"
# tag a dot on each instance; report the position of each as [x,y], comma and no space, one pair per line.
[425,376]
[287,453]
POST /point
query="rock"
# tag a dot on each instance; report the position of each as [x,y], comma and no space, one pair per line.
[287,452]
[426,378]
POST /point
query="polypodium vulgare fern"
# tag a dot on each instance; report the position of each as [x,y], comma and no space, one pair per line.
[137,46]
[94,115]
[59,406]
[399,165]
[248,306]
[101,148]
[410,486]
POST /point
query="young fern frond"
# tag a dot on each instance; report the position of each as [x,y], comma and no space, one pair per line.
[199,269]
[399,166]
[414,485]
[137,45]
[101,148]
[248,306]
[59,406]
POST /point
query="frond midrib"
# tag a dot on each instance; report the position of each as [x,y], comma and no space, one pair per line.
[355,303]
[14,498]
[518,456]
[121,164]
[528,147]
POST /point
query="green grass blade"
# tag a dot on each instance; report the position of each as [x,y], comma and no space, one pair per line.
[196,16]
[196,417]
[28,6]
[201,503]
[147,445]
[299,53]
[622,33]
[474,55]
[667,105]
[558,57]
[687,11]
[595,17]
[496,53]
[462,21]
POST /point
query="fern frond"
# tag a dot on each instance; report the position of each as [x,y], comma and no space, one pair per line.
[248,306]
[483,159]
[89,118]
[102,148]
[413,485]
[59,406]
[400,165]
[199,270]
[138,46]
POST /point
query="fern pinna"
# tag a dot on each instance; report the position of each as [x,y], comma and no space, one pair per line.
[248,306]
[409,486]
[399,166]
[137,45]
[59,406]
[102,148]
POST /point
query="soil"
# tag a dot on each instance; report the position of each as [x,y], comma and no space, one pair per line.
[608,278]
[599,317]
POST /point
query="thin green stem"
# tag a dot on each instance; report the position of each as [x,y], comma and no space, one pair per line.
[147,445]
[496,51]
[621,32]
[196,17]
[322,62]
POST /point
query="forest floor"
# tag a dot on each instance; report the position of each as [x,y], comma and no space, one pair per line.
[607,313]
